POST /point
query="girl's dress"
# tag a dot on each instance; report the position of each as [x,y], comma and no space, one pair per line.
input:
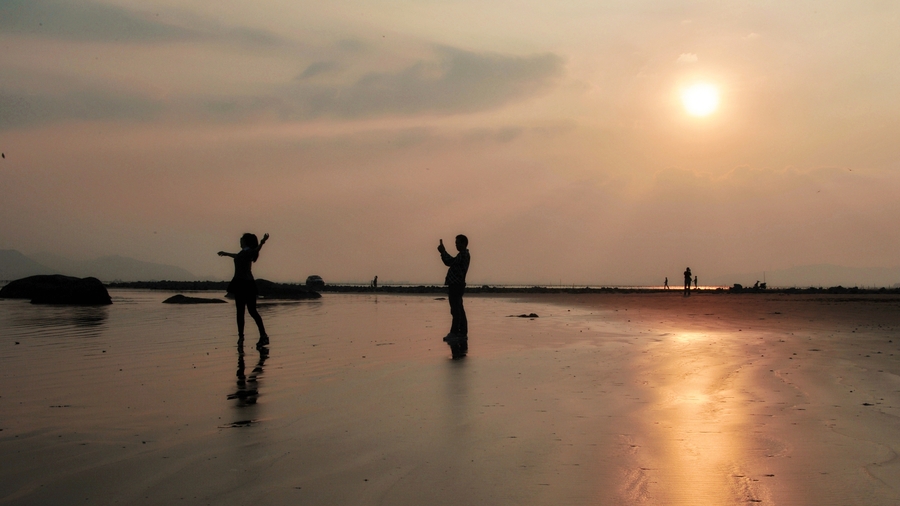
[242,285]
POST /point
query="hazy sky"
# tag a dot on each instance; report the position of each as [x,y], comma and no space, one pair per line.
[357,133]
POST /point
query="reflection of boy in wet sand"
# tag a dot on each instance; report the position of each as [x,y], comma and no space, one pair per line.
[458,338]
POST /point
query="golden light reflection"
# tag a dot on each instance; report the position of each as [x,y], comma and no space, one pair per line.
[690,337]
[696,439]
[699,455]
[701,99]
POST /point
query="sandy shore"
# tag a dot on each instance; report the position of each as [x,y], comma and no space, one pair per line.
[603,399]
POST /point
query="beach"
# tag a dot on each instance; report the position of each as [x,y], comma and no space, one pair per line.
[620,399]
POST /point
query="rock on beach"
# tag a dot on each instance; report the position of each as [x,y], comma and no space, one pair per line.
[183,299]
[58,289]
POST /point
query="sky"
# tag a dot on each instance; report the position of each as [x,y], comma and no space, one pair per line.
[358,133]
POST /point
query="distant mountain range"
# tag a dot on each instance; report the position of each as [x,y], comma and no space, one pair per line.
[15,265]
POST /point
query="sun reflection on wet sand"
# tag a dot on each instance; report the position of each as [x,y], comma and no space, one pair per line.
[696,441]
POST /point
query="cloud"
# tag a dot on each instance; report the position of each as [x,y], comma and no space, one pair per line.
[687,58]
[92,22]
[317,68]
[20,109]
[82,21]
[454,81]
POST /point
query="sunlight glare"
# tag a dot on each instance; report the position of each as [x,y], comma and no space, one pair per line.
[700,99]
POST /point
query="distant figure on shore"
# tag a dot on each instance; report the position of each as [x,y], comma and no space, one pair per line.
[243,286]
[458,337]
[687,282]
[695,282]
[666,284]
[375,282]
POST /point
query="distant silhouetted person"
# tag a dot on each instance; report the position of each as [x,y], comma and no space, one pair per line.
[243,286]
[375,282]
[695,282]
[666,284]
[687,282]
[458,338]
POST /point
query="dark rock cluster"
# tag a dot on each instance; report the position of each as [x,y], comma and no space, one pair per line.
[266,289]
[58,289]
[183,299]
[270,290]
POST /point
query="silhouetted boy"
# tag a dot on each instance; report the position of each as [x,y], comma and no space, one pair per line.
[458,338]
[687,282]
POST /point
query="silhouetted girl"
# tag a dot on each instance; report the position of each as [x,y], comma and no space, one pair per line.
[243,286]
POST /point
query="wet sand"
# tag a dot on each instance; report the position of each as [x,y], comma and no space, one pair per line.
[603,399]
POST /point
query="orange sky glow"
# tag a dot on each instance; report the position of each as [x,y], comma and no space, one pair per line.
[558,137]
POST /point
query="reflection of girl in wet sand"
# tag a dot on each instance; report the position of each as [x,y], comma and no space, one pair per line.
[243,286]
[248,386]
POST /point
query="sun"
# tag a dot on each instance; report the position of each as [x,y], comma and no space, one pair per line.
[700,99]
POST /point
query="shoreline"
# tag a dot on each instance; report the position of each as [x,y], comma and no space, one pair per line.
[425,289]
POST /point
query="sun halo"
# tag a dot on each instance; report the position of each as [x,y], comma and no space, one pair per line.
[701,99]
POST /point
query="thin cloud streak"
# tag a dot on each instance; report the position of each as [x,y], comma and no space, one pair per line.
[453,82]
[85,21]
[456,81]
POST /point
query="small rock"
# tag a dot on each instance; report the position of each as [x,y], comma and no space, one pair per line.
[182,299]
